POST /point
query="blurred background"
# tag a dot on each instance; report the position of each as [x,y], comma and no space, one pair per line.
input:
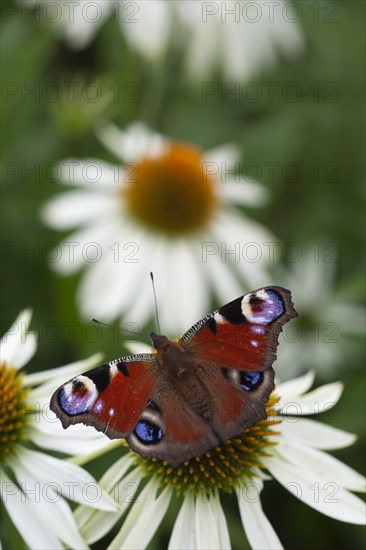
[299,122]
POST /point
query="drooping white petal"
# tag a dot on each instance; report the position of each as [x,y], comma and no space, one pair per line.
[257,527]
[223,532]
[320,493]
[246,246]
[48,433]
[94,524]
[206,525]
[320,463]
[89,247]
[223,281]
[317,401]
[316,434]
[144,518]
[184,284]
[149,36]
[93,174]
[83,20]
[17,346]
[120,275]
[72,481]
[67,210]
[184,532]
[25,518]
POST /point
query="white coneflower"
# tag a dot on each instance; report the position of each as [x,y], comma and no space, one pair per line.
[291,448]
[35,485]
[171,209]
[238,38]
[325,335]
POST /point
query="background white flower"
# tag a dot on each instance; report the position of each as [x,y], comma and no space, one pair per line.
[239,38]
[170,209]
[34,485]
[298,461]
[325,333]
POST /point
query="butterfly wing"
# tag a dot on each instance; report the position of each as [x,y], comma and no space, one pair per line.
[131,398]
[110,397]
[243,334]
[169,429]
[235,347]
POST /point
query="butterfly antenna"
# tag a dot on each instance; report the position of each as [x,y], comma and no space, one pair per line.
[155,300]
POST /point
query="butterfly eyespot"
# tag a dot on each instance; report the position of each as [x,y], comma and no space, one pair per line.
[148,433]
[250,380]
[262,307]
[78,396]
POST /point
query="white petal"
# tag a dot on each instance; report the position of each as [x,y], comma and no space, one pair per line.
[224,157]
[317,401]
[89,247]
[225,285]
[184,534]
[67,210]
[245,193]
[94,524]
[78,439]
[92,173]
[206,527]
[110,286]
[144,518]
[321,464]
[133,144]
[258,529]
[295,387]
[72,481]
[323,495]
[223,532]
[24,515]
[137,347]
[245,245]
[185,289]
[150,35]
[61,373]
[17,346]
[317,434]
[80,27]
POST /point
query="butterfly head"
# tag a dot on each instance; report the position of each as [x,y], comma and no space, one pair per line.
[161,343]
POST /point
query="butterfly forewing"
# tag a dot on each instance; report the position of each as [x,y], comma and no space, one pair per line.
[243,334]
[110,397]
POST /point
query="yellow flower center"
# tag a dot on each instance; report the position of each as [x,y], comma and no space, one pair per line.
[13,409]
[172,194]
[222,466]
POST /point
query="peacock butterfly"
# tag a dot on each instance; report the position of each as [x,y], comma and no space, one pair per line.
[189,394]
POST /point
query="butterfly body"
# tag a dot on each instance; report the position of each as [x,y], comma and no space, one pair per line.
[189,395]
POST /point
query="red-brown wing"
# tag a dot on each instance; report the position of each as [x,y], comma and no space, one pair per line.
[170,430]
[110,397]
[244,333]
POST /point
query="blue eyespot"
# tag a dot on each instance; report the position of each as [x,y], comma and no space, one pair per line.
[250,380]
[148,433]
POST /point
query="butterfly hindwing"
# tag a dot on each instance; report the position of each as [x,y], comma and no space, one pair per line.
[169,429]
[110,397]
